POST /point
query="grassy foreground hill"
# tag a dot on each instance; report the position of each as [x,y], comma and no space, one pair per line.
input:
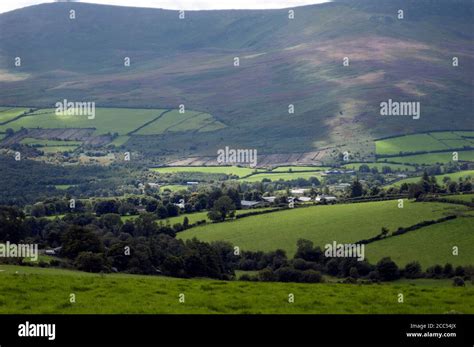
[36,290]
[283,61]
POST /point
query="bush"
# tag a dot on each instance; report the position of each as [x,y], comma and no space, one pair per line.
[374,276]
[332,267]
[288,274]
[458,282]
[387,269]
[448,271]
[435,271]
[353,273]
[267,275]
[412,270]
[311,276]
[459,271]
[90,262]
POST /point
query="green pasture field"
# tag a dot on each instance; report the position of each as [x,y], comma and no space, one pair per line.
[379,166]
[282,176]
[460,197]
[119,120]
[430,245]
[8,113]
[27,290]
[174,187]
[431,158]
[226,170]
[342,223]
[455,176]
[445,140]
[408,143]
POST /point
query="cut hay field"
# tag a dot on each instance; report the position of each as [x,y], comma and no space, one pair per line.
[226,170]
[463,197]
[342,223]
[439,178]
[424,142]
[37,290]
[431,158]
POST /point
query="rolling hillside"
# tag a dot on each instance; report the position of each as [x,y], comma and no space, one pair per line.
[133,294]
[282,61]
[324,224]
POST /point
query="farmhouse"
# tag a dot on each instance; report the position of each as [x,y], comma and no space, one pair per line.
[250,204]
[269,199]
[325,198]
[303,199]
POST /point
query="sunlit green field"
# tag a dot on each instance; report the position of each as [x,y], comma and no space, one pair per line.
[8,113]
[282,176]
[119,120]
[322,224]
[36,290]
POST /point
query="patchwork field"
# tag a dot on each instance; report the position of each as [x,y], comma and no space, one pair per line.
[464,197]
[173,121]
[379,166]
[36,290]
[8,113]
[439,178]
[47,143]
[115,120]
[321,224]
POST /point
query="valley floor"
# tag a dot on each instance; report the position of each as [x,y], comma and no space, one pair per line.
[27,290]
